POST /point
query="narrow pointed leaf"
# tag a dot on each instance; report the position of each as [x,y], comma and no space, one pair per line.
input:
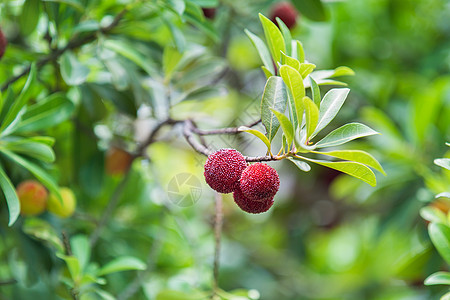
[302,165]
[433,214]
[306,68]
[292,62]
[266,72]
[443,162]
[286,125]
[440,236]
[124,263]
[438,278]
[286,34]
[300,52]
[274,38]
[356,156]
[330,106]
[11,197]
[315,90]
[354,169]
[345,134]
[311,116]
[33,149]
[264,53]
[274,96]
[294,82]
[256,133]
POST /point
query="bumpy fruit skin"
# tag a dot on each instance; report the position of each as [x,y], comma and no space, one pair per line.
[118,161]
[251,206]
[33,197]
[223,170]
[259,181]
[286,12]
[63,209]
[3,43]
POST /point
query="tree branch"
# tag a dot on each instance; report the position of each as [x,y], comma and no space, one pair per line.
[231,130]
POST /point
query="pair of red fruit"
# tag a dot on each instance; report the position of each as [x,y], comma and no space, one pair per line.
[253,186]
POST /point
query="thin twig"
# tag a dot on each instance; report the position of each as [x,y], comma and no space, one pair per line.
[218,221]
[8,281]
[231,130]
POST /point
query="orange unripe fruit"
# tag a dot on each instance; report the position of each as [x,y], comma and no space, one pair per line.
[64,208]
[33,197]
[118,161]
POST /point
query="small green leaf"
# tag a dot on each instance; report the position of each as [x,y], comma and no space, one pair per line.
[302,165]
[292,62]
[124,263]
[256,133]
[286,34]
[300,52]
[311,116]
[171,58]
[42,230]
[72,264]
[356,156]
[433,214]
[81,249]
[443,162]
[274,96]
[266,72]
[72,71]
[440,236]
[438,278]
[315,90]
[11,197]
[330,106]
[351,168]
[344,134]
[322,76]
[306,68]
[294,82]
[286,125]
[274,38]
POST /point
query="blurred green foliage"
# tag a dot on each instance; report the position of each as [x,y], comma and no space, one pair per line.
[328,235]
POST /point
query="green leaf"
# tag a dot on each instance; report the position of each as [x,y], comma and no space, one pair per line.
[266,72]
[433,214]
[11,197]
[302,165]
[311,116]
[72,71]
[300,51]
[42,230]
[81,249]
[443,162]
[171,58]
[29,18]
[356,156]
[440,236]
[286,34]
[292,62]
[306,68]
[294,82]
[72,264]
[438,278]
[330,106]
[40,174]
[256,133]
[286,125]
[124,263]
[344,134]
[351,168]
[48,112]
[33,149]
[443,195]
[274,38]
[274,96]
[312,9]
[15,110]
[203,93]
[74,3]
[321,77]
[176,295]
[315,90]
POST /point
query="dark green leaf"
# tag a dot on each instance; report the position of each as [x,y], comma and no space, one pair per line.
[11,197]
[315,92]
[440,236]
[312,9]
[29,17]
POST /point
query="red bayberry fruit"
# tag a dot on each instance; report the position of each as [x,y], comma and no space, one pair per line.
[259,181]
[251,206]
[286,12]
[223,170]
[209,13]
[3,43]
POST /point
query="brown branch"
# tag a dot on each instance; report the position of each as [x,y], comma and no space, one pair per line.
[218,222]
[152,136]
[231,130]
[74,43]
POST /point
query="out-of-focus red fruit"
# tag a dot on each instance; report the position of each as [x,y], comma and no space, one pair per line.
[209,13]
[33,197]
[286,12]
[3,43]
[118,161]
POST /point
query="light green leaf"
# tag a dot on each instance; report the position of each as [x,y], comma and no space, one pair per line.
[443,162]
[300,52]
[344,134]
[42,230]
[351,168]
[266,72]
[330,106]
[438,278]
[302,165]
[294,82]
[72,71]
[322,76]
[274,96]
[286,34]
[177,295]
[433,214]
[29,18]
[286,125]
[124,263]
[33,149]
[72,264]
[440,236]
[11,197]
[315,90]
[81,249]
[74,3]
[356,156]
[256,133]
[292,62]
[306,68]
[311,116]
[274,38]
[171,58]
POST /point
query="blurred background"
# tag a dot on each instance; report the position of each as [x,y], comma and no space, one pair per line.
[328,235]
